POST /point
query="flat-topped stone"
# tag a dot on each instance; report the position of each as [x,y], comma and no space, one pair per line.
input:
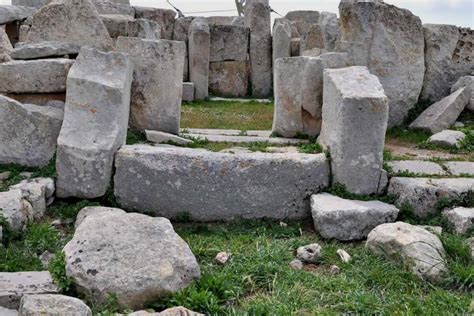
[44,49]
[447,138]
[460,168]
[52,304]
[343,219]
[11,13]
[462,218]
[416,167]
[13,285]
[225,132]
[161,137]
[188,92]
[219,186]
[247,139]
[422,194]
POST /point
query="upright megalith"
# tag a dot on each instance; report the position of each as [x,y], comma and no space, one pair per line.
[257,18]
[389,41]
[157,86]
[355,114]
[5,45]
[72,21]
[199,41]
[28,133]
[95,122]
[164,17]
[281,43]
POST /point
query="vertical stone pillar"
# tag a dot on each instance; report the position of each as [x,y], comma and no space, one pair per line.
[281,39]
[258,19]
[199,42]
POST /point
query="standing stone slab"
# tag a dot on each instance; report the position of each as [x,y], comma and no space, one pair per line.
[329,24]
[229,78]
[13,285]
[95,122]
[44,49]
[28,133]
[353,98]
[422,194]
[281,42]
[199,57]
[12,13]
[444,113]
[188,92]
[448,57]
[229,43]
[116,24]
[5,45]
[466,81]
[257,18]
[346,220]
[389,41]
[71,21]
[157,87]
[51,305]
[164,17]
[218,186]
[34,76]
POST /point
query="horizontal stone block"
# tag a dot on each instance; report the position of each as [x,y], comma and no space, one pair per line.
[217,186]
[229,78]
[229,43]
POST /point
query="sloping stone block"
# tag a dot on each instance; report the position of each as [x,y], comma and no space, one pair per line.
[95,122]
[5,45]
[466,81]
[219,186]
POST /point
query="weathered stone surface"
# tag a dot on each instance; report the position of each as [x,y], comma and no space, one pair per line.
[447,138]
[5,45]
[462,218]
[38,192]
[136,257]
[188,92]
[144,28]
[466,81]
[346,220]
[248,139]
[416,167]
[13,285]
[71,21]
[160,137]
[52,305]
[34,76]
[116,24]
[44,49]
[28,133]
[309,253]
[313,38]
[448,57]
[459,168]
[113,7]
[229,43]
[181,28]
[281,42]
[91,210]
[11,13]
[421,250]
[257,19]
[295,47]
[15,209]
[423,193]
[95,122]
[37,98]
[302,20]
[23,33]
[225,20]
[164,17]
[229,78]
[443,113]
[199,57]
[220,186]
[353,98]
[389,41]
[157,88]
[330,29]
[8,312]
[174,311]
[30,3]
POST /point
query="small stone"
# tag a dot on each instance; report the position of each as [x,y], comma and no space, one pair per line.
[282,224]
[334,270]
[461,217]
[222,258]
[458,124]
[51,305]
[470,242]
[345,257]
[57,223]
[310,253]
[162,137]
[447,138]
[46,258]
[5,175]
[26,174]
[296,264]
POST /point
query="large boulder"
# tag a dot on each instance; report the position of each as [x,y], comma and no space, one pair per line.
[423,194]
[95,122]
[353,98]
[343,219]
[219,186]
[44,49]
[164,17]
[39,192]
[466,81]
[389,41]
[258,20]
[13,285]
[34,76]
[52,305]
[157,88]
[71,21]
[28,133]
[444,113]
[448,57]
[16,210]
[229,43]
[229,78]
[199,41]
[421,250]
[137,258]
[12,13]
[281,42]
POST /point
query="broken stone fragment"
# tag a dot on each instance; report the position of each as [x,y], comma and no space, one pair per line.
[296,264]
[222,258]
[161,137]
[462,218]
[15,209]
[447,138]
[164,17]
[37,192]
[466,81]
[44,49]
[310,253]
[345,257]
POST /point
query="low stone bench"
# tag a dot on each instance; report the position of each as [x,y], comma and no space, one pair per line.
[211,186]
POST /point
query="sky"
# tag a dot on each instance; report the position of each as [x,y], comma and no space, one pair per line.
[457,12]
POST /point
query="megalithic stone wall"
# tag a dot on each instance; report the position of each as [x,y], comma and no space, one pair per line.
[95,122]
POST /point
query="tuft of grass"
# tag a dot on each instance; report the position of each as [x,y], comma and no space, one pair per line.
[135,137]
[57,268]
[48,171]
[68,209]
[310,148]
[407,135]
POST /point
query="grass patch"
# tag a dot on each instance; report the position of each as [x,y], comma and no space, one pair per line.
[227,115]
[48,171]
[407,136]
[135,137]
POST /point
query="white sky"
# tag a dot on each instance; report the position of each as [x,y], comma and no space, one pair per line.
[458,12]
